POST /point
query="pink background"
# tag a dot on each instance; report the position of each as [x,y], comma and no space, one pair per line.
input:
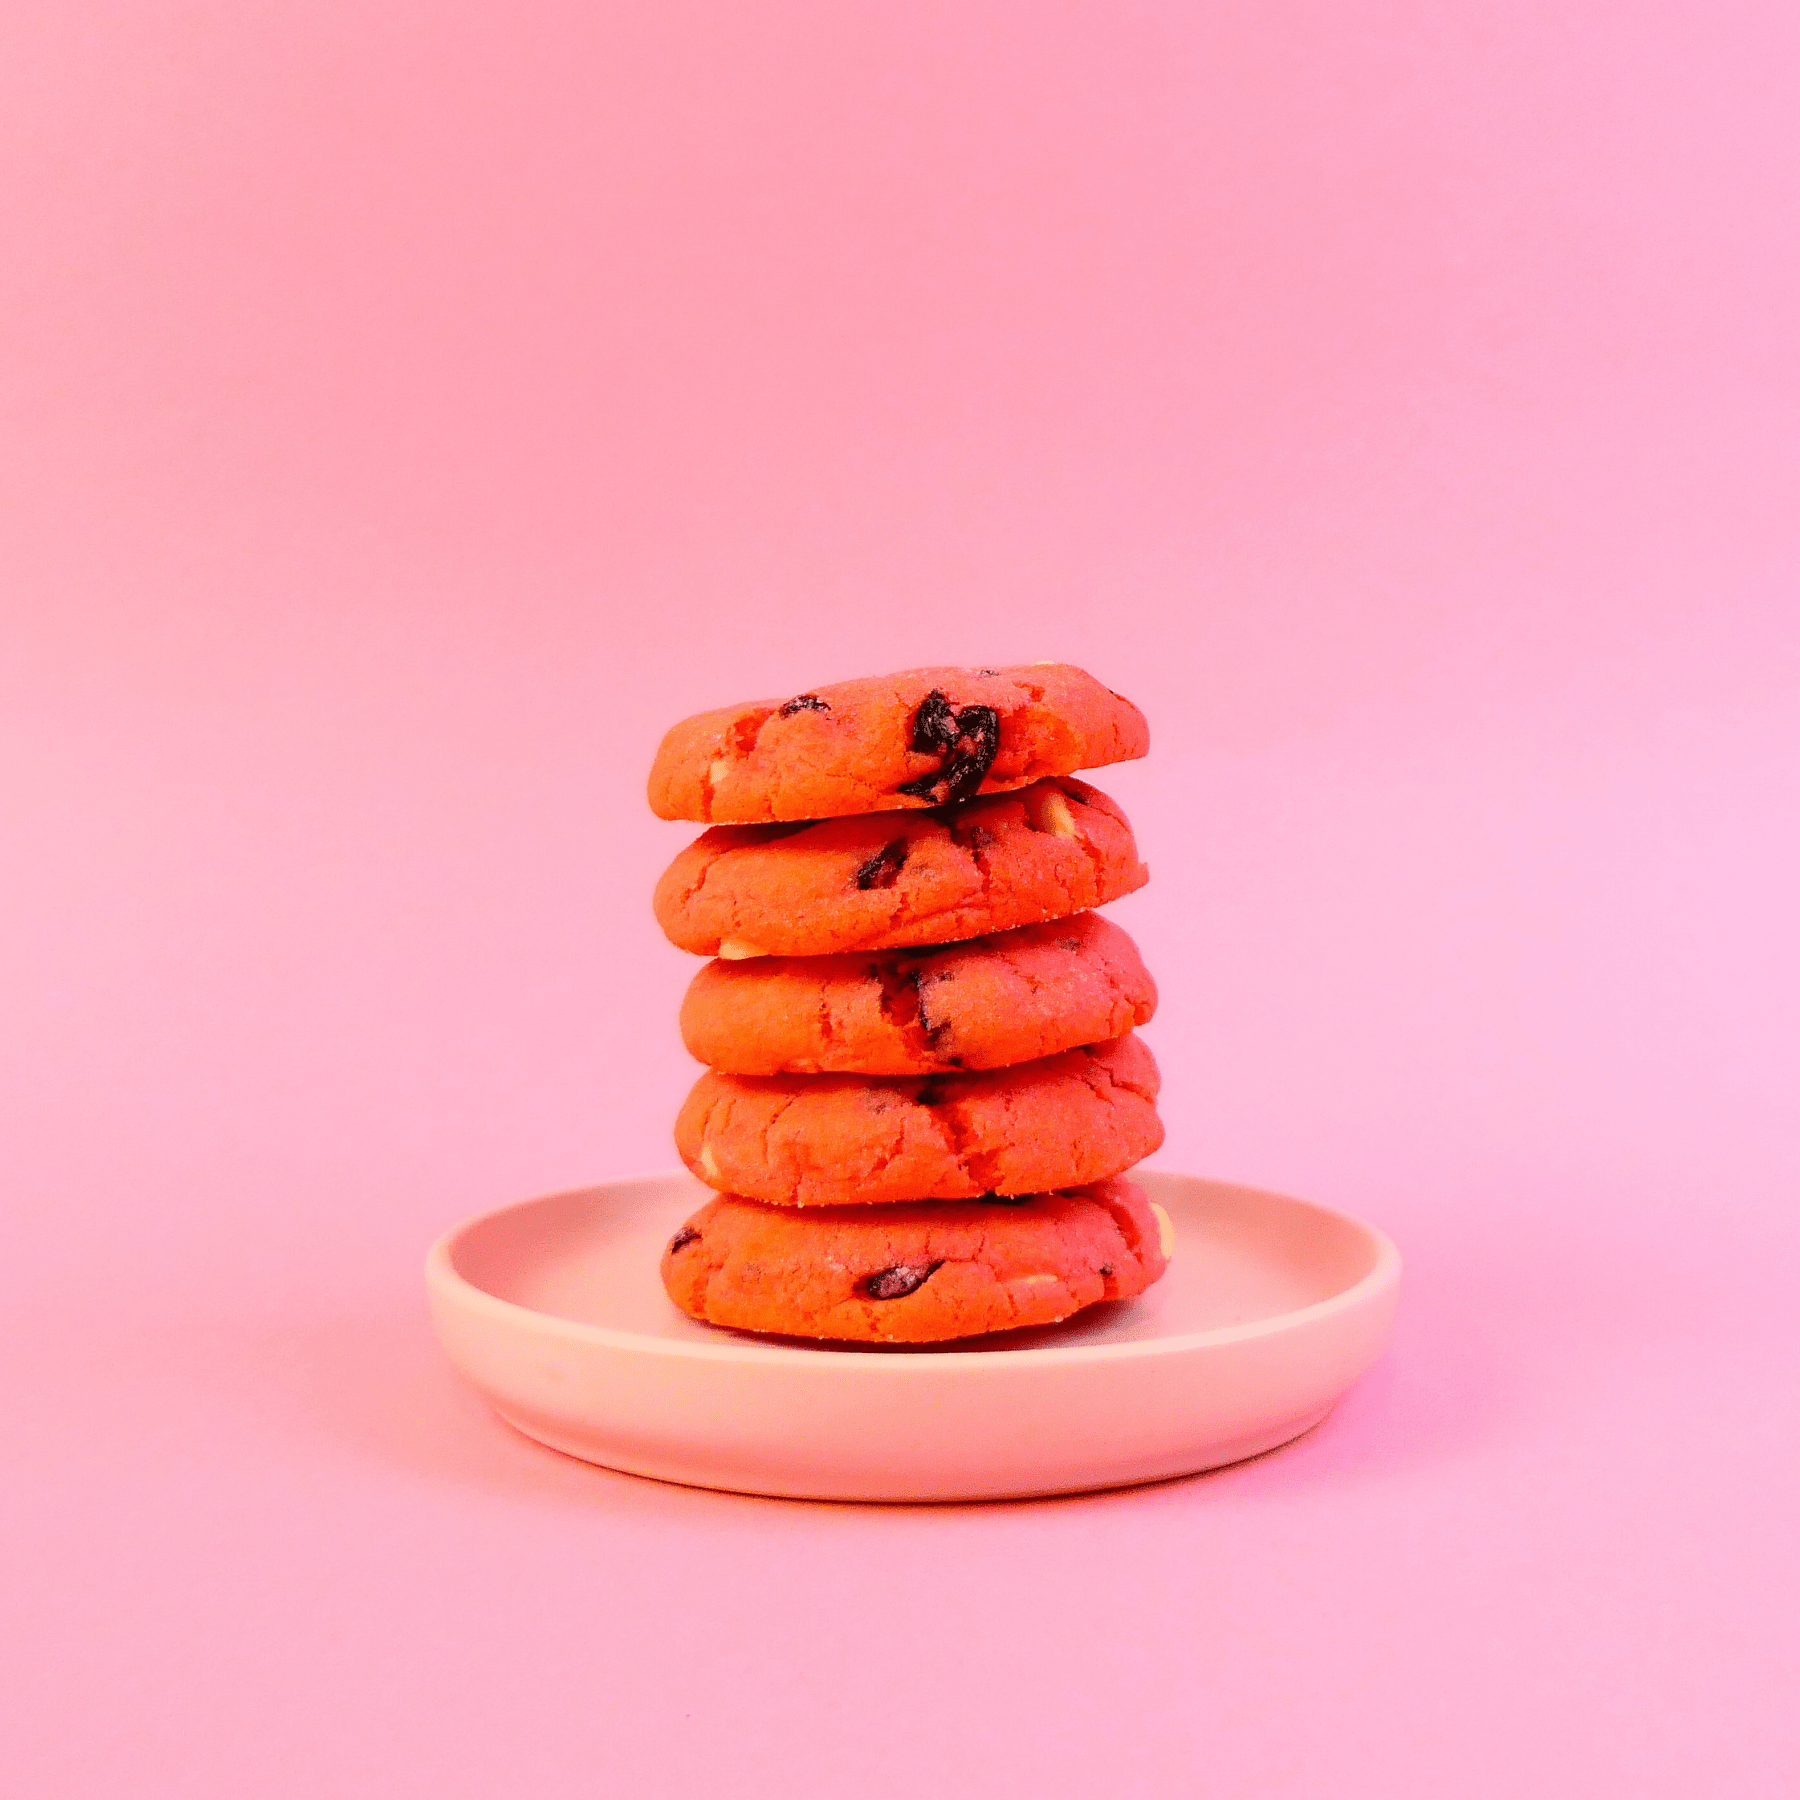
[411,409]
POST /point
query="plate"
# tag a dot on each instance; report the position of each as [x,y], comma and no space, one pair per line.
[1271,1308]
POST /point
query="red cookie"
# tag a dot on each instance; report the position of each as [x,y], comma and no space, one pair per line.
[1009,998]
[921,738]
[919,1272]
[883,881]
[838,1140]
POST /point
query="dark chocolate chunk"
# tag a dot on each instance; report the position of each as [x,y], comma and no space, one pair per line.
[1106,1268]
[981,731]
[685,1236]
[967,741]
[934,724]
[899,1281]
[883,868]
[804,703]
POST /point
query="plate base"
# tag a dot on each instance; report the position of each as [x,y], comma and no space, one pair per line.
[1217,1456]
[1271,1308]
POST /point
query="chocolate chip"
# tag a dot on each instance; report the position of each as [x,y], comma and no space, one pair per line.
[883,868]
[967,741]
[685,1236]
[804,703]
[929,1095]
[936,1030]
[1106,1268]
[987,671]
[925,1024]
[899,1281]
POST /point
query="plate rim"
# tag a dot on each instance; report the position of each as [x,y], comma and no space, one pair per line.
[447,1285]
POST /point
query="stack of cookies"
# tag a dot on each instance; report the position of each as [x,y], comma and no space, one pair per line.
[923,1088]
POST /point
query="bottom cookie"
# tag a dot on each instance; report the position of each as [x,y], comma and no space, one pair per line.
[916,1271]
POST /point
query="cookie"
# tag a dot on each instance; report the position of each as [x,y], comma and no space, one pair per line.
[925,737]
[1010,998]
[840,1140]
[916,1273]
[884,881]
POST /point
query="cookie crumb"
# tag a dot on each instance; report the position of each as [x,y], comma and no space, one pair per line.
[1165,1231]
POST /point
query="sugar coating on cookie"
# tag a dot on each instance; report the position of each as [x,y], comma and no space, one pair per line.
[1009,998]
[918,1272]
[845,1140]
[923,737]
[885,881]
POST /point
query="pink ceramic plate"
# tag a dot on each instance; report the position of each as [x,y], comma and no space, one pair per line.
[1271,1308]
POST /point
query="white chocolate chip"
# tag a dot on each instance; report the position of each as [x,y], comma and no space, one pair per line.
[1165,1231]
[720,769]
[709,1164]
[736,950]
[1049,807]
[1031,1280]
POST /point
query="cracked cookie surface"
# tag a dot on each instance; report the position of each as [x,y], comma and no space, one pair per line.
[918,1272]
[883,881]
[838,1140]
[1010,998]
[920,738]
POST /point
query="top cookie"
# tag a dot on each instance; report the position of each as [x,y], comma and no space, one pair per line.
[924,737]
